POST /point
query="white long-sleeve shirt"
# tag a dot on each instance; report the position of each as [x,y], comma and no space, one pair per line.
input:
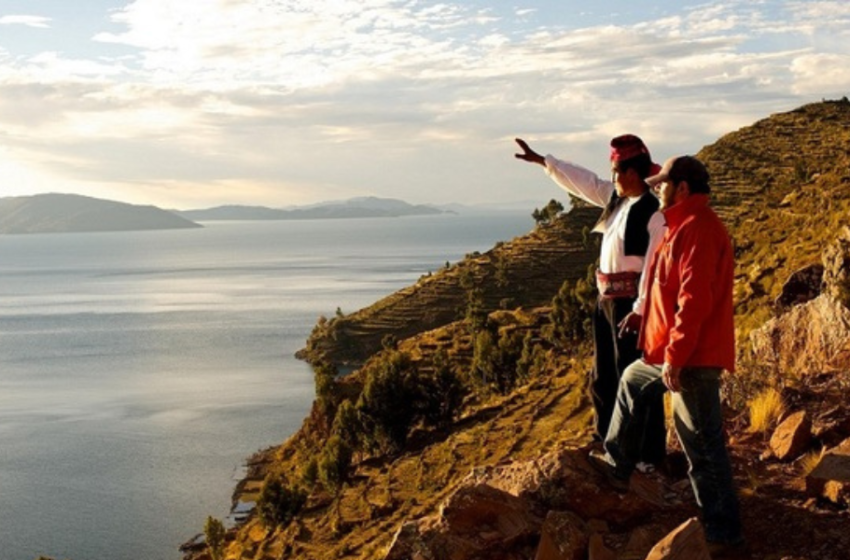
[586,185]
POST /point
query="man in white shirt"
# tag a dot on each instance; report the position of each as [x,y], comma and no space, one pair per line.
[631,229]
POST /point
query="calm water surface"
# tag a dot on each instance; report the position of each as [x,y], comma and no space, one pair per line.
[138,370]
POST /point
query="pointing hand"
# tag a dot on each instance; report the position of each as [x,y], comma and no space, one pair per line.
[528,154]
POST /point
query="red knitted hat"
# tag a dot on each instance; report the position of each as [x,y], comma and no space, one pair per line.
[626,147]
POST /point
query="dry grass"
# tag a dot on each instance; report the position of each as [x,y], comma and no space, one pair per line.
[766,409]
[810,461]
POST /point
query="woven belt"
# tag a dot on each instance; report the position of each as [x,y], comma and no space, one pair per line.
[617,285]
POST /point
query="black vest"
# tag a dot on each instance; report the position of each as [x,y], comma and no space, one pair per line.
[637,236]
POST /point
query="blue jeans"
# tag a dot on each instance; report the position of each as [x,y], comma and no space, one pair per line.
[699,425]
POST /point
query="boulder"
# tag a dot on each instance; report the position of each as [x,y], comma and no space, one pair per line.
[477,521]
[565,480]
[563,537]
[814,337]
[831,478]
[810,339]
[792,437]
[486,514]
[686,542]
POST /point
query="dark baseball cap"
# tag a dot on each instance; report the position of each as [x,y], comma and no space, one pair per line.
[681,168]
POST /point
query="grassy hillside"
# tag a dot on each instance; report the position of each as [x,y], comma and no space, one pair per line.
[781,185]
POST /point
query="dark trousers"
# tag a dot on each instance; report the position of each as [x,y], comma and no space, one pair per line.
[612,355]
[699,425]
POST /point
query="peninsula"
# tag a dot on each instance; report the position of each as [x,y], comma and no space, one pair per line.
[70,213]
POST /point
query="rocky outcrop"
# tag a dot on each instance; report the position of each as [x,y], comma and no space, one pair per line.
[814,337]
[810,339]
[544,505]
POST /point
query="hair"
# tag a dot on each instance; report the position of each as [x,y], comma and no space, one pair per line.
[641,163]
[690,169]
[698,186]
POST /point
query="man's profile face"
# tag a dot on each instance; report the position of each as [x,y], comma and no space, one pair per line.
[624,180]
[667,191]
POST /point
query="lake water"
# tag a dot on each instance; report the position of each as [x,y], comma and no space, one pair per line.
[138,370]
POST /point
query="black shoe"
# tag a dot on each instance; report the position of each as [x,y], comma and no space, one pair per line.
[720,549]
[598,459]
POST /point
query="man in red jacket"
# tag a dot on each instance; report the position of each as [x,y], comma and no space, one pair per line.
[688,338]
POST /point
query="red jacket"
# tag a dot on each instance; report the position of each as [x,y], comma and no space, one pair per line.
[689,319]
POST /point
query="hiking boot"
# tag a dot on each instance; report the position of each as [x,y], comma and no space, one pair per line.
[598,459]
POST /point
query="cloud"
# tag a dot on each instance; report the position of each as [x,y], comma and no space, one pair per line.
[291,101]
[28,21]
[821,74]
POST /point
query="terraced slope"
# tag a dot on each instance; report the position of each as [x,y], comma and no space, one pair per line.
[782,186]
[527,272]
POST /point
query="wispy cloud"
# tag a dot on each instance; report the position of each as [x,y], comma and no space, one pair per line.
[29,21]
[292,101]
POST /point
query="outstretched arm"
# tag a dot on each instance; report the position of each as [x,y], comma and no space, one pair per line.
[528,154]
[576,180]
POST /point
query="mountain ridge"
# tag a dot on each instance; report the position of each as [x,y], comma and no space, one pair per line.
[71,213]
[353,208]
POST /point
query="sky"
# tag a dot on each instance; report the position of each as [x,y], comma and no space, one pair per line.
[290,102]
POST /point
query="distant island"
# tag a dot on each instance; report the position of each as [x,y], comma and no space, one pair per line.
[361,207]
[71,213]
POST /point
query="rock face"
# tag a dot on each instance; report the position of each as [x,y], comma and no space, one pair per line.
[810,339]
[831,478]
[814,337]
[502,512]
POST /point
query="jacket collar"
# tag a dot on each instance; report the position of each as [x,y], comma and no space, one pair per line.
[677,213]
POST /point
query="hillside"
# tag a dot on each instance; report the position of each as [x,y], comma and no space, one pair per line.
[524,272]
[68,213]
[362,207]
[392,464]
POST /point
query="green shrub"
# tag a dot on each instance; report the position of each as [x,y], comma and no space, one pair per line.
[279,500]
[494,362]
[572,310]
[532,360]
[347,425]
[441,393]
[214,534]
[383,407]
[310,473]
[334,464]
[549,212]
